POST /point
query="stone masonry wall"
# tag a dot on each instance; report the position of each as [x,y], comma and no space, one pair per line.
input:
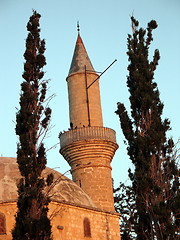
[67,222]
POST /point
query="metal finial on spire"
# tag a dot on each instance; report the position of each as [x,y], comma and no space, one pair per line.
[78,27]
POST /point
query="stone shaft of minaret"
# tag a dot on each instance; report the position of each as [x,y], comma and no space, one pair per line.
[88,147]
[84,103]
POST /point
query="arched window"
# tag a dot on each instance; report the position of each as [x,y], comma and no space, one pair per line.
[2,224]
[87,228]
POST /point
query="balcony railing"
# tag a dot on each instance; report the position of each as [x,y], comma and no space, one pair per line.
[87,133]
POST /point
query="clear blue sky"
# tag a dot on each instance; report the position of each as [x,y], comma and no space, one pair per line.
[104,28]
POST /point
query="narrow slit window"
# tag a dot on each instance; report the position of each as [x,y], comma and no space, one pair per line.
[87,228]
[2,224]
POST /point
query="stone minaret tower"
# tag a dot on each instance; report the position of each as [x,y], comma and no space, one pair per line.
[88,147]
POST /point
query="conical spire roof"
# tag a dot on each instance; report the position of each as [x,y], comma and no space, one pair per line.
[80,58]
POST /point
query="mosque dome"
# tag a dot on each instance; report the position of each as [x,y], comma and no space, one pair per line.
[64,189]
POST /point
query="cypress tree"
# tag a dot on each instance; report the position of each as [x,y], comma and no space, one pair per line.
[155,181]
[32,121]
[124,202]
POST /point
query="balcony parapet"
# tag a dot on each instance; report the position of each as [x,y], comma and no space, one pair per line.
[87,133]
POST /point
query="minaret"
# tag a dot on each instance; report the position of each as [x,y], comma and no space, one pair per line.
[88,147]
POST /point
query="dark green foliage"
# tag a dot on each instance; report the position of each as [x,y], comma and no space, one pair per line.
[124,202]
[32,122]
[155,180]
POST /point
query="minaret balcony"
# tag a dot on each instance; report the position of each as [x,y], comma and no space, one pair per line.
[86,134]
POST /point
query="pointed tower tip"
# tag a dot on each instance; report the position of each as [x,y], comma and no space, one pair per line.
[80,57]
